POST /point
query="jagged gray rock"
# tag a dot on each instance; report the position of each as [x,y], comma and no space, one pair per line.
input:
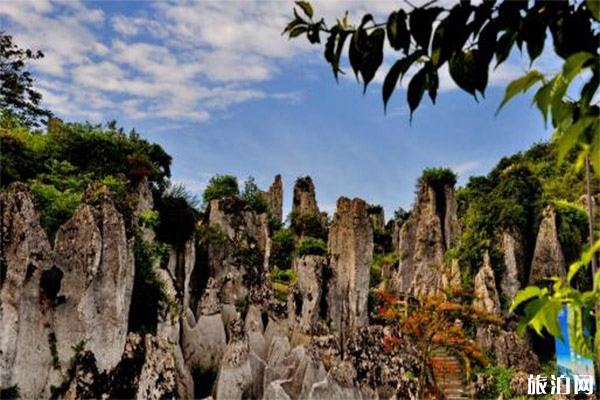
[548,259]
[96,258]
[430,230]
[239,259]
[486,294]
[274,198]
[377,217]
[305,295]
[304,200]
[142,203]
[235,375]
[351,256]
[25,308]
[181,266]
[203,341]
[514,275]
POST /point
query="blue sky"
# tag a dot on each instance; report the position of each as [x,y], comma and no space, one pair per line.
[222,91]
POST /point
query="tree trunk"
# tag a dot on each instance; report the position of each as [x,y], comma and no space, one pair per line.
[590,213]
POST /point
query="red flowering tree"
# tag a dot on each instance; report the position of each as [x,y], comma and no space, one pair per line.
[432,324]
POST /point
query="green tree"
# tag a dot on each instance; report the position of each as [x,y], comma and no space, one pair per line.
[220,186]
[468,37]
[17,94]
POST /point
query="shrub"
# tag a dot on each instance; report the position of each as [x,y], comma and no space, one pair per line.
[220,186]
[572,226]
[253,196]
[282,249]
[55,206]
[382,240]
[178,216]
[401,215]
[438,177]
[288,276]
[311,246]
[149,219]
[307,225]
[374,209]
[500,384]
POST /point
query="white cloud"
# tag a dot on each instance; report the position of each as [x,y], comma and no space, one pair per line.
[175,59]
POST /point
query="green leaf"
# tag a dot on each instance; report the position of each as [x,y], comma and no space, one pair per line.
[520,85]
[373,56]
[573,269]
[594,7]
[355,54]
[330,45]
[526,294]
[574,64]
[416,88]
[570,138]
[397,31]
[462,70]
[431,81]
[505,44]
[534,34]
[542,98]
[306,7]
[421,24]
[548,317]
[297,31]
[396,73]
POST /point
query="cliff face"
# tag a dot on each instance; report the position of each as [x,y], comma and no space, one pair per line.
[220,331]
[78,291]
[25,307]
[548,259]
[304,200]
[351,255]
[274,198]
[431,229]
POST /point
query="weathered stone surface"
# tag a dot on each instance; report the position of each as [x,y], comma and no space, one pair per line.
[304,200]
[276,366]
[429,244]
[314,372]
[168,325]
[514,351]
[26,256]
[424,237]
[235,375]
[181,266]
[451,225]
[258,354]
[403,278]
[142,203]
[339,384]
[377,217]
[548,259]
[254,321]
[158,377]
[486,294]
[514,265]
[274,198]
[384,369]
[240,258]
[305,295]
[203,341]
[147,370]
[351,251]
[96,258]
[274,391]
